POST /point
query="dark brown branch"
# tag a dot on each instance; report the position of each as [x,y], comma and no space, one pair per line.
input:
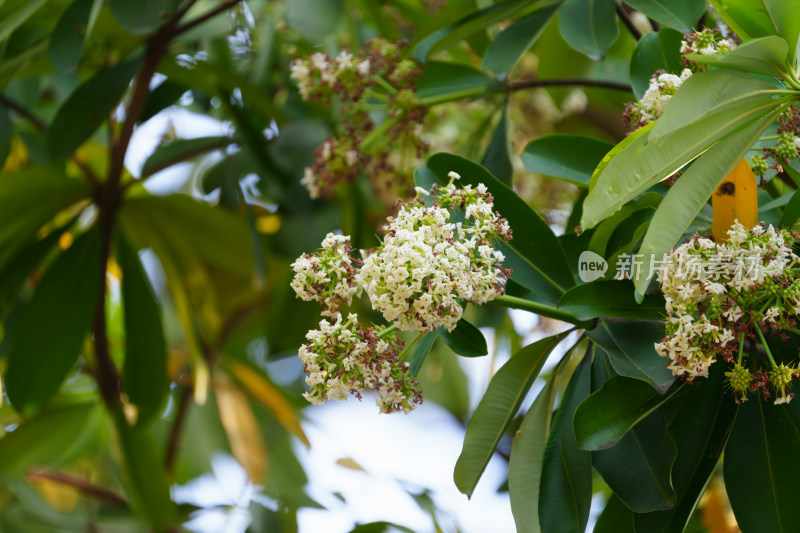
[625,17]
[176,431]
[203,18]
[567,82]
[41,126]
[101,494]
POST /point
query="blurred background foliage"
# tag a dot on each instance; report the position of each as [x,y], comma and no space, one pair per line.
[213,214]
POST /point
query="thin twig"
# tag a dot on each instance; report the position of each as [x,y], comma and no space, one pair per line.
[211,14]
[626,19]
[177,428]
[567,82]
[41,126]
[81,485]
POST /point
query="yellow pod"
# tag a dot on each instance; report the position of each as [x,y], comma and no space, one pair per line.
[735,199]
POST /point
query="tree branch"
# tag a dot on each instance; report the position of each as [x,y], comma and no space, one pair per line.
[177,428]
[81,485]
[626,19]
[567,82]
[203,18]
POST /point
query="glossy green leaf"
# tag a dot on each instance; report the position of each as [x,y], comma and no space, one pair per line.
[565,492]
[444,82]
[143,475]
[644,162]
[497,408]
[513,42]
[750,19]
[142,16]
[534,253]
[87,108]
[444,38]
[682,15]
[699,430]
[611,299]
[47,341]
[654,51]
[766,56]
[571,158]
[630,348]
[66,42]
[615,518]
[624,144]
[634,213]
[180,150]
[637,468]
[466,340]
[525,463]
[48,439]
[603,418]
[761,468]
[12,21]
[589,26]
[498,159]
[144,374]
[421,352]
[689,194]
[791,214]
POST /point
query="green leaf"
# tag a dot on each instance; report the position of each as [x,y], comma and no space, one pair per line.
[644,162]
[565,492]
[46,340]
[180,150]
[572,158]
[6,134]
[603,418]
[689,194]
[682,15]
[630,348]
[143,16]
[143,475]
[534,253]
[654,51]
[466,340]
[497,408]
[611,299]
[699,430]
[11,21]
[444,82]
[615,518]
[638,467]
[88,107]
[512,43]
[765,56]
[634,136]
[761,468]
[444,38]
[166,94]
[791,214]
[525,462]
[314,17]
[589,26]
[49,439]
[144,374]
[421,352]
[750,19]
[66,41]
[497,158]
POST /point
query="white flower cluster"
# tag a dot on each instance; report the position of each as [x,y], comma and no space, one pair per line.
[707,42]
[651,106]
[328,276]
[341,358]
[716,292]
[428,266]
[321,69]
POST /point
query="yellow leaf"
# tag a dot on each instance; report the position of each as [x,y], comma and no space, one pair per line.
[735,199]
[349,462]
[716,511]
[58,495]
[17,158]
[267,394]
[243,432]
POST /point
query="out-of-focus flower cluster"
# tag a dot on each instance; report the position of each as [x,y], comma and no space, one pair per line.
[342,358]
[425,271]
[785,148]
[662,87]
[708,42]
[380,77]
[720,295]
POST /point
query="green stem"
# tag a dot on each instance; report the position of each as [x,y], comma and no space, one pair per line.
[541,309]
[410,344]
[741,347]
[377,134]
[376,95]
[386,331]
[385,84]
[766,347]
